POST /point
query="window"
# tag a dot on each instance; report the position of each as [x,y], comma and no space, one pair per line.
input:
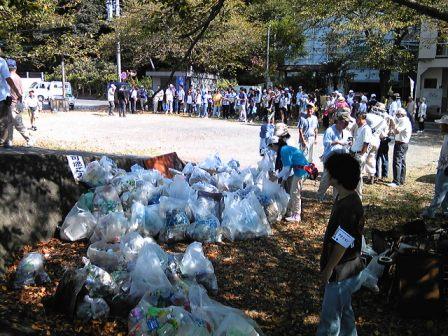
[430,83]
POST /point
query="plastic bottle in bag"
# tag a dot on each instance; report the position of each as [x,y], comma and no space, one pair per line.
[79,224]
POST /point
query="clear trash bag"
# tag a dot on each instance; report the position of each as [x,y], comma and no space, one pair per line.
[153,223]
[137,216]
[106,200]
[30,271]
[180,189]
[201,186]
[111,228]
[131,244]
[92,309]
[96,175]
[148,274]
[79,224]
[106,256]
[146,319]
[195,265]
[244,218]
[223,320]
[99,283]
[199,175]
[211,164]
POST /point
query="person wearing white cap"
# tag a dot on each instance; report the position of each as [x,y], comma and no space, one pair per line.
[308,129]
[350,98]
[421,115]
[403,133]
[363,105]
[111,98]
[292,159]
[440,199]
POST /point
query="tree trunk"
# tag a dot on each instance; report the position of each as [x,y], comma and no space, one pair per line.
[384,83]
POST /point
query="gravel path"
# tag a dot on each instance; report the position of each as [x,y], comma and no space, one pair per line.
[192,138]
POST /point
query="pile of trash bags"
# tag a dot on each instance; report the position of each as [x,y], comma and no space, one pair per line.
[126,214]
[207,202]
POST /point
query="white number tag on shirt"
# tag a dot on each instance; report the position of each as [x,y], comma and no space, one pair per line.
[343,238]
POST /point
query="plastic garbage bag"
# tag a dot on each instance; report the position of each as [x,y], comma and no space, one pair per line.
[146,319]
[266,164]
[31,271]
[99,283]
[130,245]
[201,186]
[85,202]
[371,274]
[188,169]
[148,273]
[137,215]
[233,164]
[79,224]
[247,177]
[195,265]
[111,227]
[199,175]
[235,182]
[96,175]
[126,182]
[106,256]
[153,223]
[179,188]
[92,309]
[211,164]
[223,181]
[176,219]
[244,218]
[106,200]
[205,229]
[219,316]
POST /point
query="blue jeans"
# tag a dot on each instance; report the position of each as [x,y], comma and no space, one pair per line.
[399,162]
[382,159]
[204,111]
[217,111]
[440,193]
[337,317]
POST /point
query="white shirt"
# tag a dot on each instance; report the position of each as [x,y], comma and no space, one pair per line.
[393,108]
[189,99]
[181,95]
[422,111]
[134,94]
[169,94]
[363,135]
[404,127]
[443,158]
[111,94]
[32,102]
[4,73]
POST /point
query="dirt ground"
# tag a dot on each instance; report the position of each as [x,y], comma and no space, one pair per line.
[192,138]
[275,280]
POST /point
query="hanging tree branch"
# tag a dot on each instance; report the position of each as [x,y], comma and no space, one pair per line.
[430,11]
[202,29]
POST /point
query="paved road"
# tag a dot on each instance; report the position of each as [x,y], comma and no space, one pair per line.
[192,138]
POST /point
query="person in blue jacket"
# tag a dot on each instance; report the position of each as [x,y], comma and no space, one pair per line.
[292,159]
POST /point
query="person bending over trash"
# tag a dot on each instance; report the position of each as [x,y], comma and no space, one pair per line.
[340,261]
[292,158]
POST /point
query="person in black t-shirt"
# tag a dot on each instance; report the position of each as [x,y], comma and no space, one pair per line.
[341,265]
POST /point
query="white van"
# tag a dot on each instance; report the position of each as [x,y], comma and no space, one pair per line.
[55,89]
[40,89]
[46,90]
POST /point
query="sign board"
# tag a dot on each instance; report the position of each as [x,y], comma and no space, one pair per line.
[77,166]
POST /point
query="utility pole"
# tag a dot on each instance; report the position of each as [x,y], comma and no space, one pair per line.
[63,76]
[110,15]
[268,79]
[117,14]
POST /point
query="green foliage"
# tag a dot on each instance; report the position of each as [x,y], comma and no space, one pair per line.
[87,76]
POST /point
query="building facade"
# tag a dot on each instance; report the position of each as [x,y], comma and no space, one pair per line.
[432,73]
